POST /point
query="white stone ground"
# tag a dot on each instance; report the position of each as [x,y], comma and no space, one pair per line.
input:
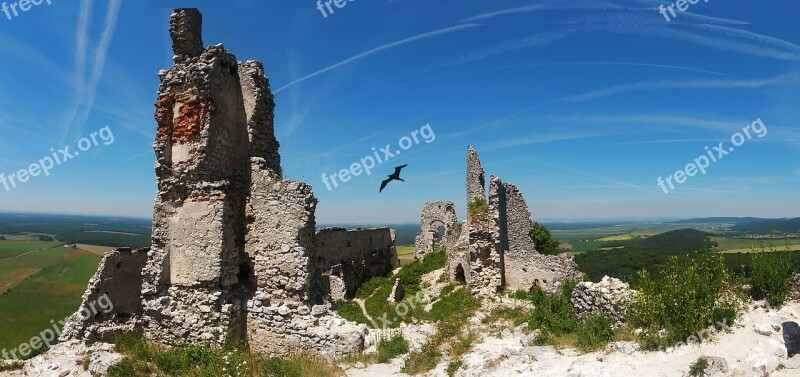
[754,347]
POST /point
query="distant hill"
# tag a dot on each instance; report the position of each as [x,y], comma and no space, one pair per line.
[674,242]
[650,253]
[770,226]
[721,220]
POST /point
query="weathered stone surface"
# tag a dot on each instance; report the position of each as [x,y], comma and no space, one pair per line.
[610,297]
[186,28]
[476,179]
[398,291]
[112,302]
[494,249]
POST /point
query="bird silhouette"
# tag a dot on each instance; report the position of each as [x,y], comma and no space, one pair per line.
[393,177]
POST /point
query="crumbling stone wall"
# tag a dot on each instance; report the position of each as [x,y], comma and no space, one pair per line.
[348,258]
[495,249]
[476,179]
[435,215]
[118,281]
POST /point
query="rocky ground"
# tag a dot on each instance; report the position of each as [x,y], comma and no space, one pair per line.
[757,345]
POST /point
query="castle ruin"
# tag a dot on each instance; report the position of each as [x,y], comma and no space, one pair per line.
[492,250]
[235,252]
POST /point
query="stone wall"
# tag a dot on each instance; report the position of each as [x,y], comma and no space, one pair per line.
[476,179]
[495,250]
[111,304]
[348,258]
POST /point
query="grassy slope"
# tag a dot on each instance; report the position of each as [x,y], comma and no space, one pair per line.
[52,293]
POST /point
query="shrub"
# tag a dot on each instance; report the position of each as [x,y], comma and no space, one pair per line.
[477,207]
[543,240]
[594,331]
[391,348]
[698,368]
[771,276]
[682,299]
[553,313]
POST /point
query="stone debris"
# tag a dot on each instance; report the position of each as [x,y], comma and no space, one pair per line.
[610,297]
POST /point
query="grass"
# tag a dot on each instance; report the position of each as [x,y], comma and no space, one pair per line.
[451,313]
[50,294]
[351,311]
[375,291]
[683,299]
[771,275]
[147,359]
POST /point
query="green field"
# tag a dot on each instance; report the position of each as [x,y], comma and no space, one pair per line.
[50,294]
[405,253]
[21,259]
[726,244]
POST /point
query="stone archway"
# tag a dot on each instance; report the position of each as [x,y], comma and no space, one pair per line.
[434,215]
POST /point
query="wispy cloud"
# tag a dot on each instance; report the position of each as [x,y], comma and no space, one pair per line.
[524,9]
[691,84]
[378,49]
[86,90]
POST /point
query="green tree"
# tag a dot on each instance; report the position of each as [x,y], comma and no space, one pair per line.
[543,240]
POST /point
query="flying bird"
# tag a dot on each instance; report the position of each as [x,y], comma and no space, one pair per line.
[393,177]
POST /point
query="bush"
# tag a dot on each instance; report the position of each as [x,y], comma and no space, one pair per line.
[553,313]
[698,368]
[391,348]
[683,298]
[771,276]
[543,240]
[594,331]
[477,206]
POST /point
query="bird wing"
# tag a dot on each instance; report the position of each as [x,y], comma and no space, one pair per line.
[384,183]
[397,169]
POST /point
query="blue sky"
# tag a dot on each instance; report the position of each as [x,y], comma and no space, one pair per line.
[582,104]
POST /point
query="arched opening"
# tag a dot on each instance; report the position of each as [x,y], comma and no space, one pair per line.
[460,276]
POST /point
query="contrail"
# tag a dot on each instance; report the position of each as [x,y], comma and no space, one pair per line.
[376,50]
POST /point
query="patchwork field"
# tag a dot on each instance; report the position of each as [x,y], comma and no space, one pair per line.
[405,253]
[52,293]
[21,259]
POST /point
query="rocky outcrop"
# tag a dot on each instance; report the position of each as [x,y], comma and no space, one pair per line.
[610,297]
